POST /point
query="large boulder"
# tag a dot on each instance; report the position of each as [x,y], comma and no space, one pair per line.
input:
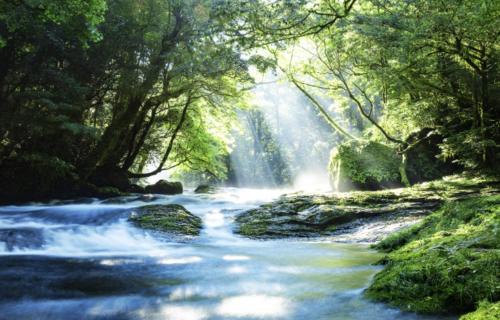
[364,165]
[325,215]
[171,218]
[164,187]
[204,188]
[365,216]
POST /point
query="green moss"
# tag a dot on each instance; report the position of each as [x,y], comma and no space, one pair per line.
[253,229]
[168,218]
[486,311]
[447,263]
[299,214]
[364,165]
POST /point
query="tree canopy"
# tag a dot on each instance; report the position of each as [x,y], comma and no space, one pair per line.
[134,88]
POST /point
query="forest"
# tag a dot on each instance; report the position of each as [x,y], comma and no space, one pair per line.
[98,93]
[147,99]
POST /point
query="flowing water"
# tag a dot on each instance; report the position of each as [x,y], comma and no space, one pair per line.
[83,260]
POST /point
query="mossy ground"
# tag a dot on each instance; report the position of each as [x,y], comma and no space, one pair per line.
[448,263]
[486,311]
[168,218]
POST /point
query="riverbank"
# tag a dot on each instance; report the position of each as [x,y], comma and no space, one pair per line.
[440,238]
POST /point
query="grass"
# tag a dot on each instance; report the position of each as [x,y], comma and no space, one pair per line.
[448,263]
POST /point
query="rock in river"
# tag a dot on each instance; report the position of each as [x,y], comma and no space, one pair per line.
[164,187]
[363,216]
[172,218]
[205,188]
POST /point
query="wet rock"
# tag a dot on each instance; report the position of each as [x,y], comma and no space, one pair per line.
[127,199]
[368,215]
[205,188]
[311,216]
[81,200]
[164,187]
[172,218]
[108,192]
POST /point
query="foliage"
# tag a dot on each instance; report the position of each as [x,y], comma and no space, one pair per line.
[117,90]
[35,172]
[485,311]
[447,263]
[412,65]
[138,86]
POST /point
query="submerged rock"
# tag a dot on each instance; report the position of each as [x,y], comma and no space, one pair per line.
[22,238]
[205,188]
[164,187]
[171,218]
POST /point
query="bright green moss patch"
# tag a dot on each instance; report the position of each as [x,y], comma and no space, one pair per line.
[253,229]
[171,218]
[364,165]
[486,311]
[447,263]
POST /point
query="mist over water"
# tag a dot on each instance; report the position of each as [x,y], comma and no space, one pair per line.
[284,141]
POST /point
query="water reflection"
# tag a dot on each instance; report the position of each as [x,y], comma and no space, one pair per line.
[254,306]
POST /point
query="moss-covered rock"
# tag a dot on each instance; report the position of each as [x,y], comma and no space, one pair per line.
[205,188]
[299,215]
[164,187]
[486,311]
[447,263]
[172,218]
[364,165]
[311,216]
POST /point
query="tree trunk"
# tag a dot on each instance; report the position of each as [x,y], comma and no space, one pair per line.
[402,170]
[170,144]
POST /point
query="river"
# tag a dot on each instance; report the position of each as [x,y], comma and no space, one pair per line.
[84,260]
